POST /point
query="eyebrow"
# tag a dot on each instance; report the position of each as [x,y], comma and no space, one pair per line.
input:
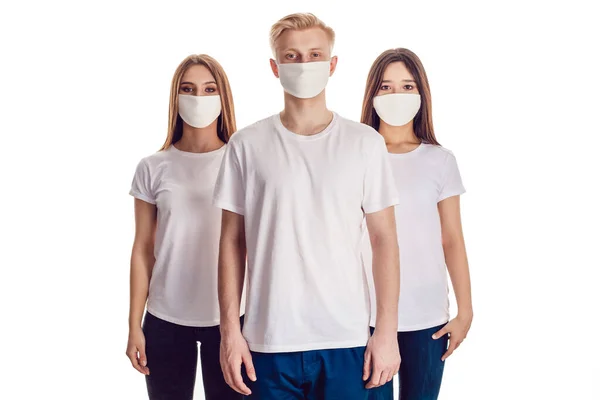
[192,83]
[298,51]
[403,80]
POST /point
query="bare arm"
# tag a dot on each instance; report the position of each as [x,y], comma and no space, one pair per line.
[386,270]
[456,254]
[232,269]
[458,268]
[382,358]
[142,262]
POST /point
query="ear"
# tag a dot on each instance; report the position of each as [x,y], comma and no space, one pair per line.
[274,68]
[333,65]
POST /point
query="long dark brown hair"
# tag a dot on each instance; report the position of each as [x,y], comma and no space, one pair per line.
[423,123]
[226,123]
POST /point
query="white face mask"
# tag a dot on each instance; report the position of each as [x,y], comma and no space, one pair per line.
[199,111]
[397,109]
[304,80]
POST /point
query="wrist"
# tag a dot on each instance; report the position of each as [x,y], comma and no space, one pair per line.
[230,328]
[465,313]
[386,327]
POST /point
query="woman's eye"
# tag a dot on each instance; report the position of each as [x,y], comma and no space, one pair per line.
[409,87]
[187,89]
[316,55]
[210,90]
[384,87]
[290,56]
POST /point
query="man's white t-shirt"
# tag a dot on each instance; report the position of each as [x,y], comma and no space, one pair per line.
[183,287]
[303,199]
[424,177]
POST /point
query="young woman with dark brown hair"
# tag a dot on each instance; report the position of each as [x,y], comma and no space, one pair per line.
[397,103]
[175,251]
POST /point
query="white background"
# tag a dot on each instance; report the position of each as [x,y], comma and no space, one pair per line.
[84,95]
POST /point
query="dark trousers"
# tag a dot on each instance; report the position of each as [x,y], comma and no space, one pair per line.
[421,368]
[172,353]
[334,374]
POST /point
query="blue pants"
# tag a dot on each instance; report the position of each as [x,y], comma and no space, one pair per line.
[309,375]
[172,352]
[421,368]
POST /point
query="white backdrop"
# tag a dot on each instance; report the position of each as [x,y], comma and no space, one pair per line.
[84,95]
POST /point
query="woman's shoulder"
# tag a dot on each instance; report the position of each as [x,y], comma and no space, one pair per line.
[438,151]
[151,161]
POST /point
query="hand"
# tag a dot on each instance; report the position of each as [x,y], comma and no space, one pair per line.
[382,359]
[234,352]
[458,329]
[136,350]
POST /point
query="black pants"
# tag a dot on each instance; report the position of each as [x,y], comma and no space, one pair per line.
[172,353]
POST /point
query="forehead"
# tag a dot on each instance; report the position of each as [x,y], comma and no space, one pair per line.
[197,73]
[397,71]
[306,39]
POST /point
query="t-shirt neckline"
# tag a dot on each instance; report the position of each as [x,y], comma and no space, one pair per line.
[182,153]
[409,153]
[279,125]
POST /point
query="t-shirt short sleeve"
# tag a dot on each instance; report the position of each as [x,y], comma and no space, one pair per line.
[451,181]
[229,189]
[141,186]
[379,185]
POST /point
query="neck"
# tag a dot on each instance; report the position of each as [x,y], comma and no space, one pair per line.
[199,140]
[305,116]
[395,135]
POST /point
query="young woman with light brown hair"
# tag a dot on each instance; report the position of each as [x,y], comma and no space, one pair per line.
[397,103]
[174,256]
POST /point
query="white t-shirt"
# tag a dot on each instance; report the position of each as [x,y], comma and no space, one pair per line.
[183,287]
[424,177]
[302,198]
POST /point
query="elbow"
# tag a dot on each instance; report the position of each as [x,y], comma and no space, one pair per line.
[451,241]
[388,242]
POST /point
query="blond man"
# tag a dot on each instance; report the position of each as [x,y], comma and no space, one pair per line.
[295,189]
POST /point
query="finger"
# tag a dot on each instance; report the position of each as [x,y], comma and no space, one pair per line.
[143,360]
[440,333]
[250,371]
[367,365]
[391,375]
[132,354]
[142,357]
[239,385]
[450,350]
[376,379]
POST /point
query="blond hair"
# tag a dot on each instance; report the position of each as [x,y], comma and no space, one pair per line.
[299,22]
[226,120]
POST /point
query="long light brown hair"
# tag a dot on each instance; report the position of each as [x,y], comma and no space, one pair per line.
[226,120]
[423,122]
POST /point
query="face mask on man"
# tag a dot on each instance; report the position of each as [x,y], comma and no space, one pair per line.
[199,111]
[304,80]
[397,109]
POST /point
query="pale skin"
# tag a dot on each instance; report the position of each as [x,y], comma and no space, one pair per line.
[308,117]
[402,139]
[196,81]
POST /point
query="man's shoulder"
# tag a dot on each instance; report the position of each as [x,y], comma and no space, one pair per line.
[253,131]
[363,132]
